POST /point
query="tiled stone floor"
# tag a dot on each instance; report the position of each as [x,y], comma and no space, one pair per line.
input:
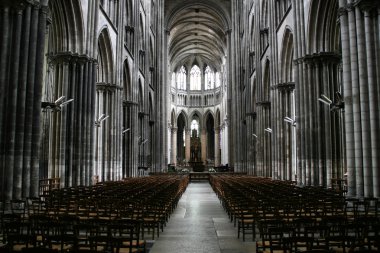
[199,224]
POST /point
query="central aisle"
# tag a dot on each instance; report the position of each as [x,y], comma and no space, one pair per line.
[199,224]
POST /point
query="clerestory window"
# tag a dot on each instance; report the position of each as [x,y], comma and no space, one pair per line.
[195,78]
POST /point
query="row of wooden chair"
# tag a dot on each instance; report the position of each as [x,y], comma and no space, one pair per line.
[100,218]
[68,233]
[279,209]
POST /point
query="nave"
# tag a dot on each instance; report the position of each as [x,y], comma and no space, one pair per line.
[199,224]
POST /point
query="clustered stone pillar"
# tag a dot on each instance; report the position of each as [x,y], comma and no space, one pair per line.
[108,133]
[361,95]
[264,150]
[22,47]
[284,133]
[320,157]
[129,139]
[187,144]
[71,129]
[174,146]
[217,146]
[251,142]
[203,144]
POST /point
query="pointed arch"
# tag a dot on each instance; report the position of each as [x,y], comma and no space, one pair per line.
[183,114]
[67,32]
[129,13]
[206,115]
[152,53]
[142,31]
[105,58]
[127,80]
[209,121]
[196,114]
[217,118]
[264,14]
[287,56]
[253,94]
[323,29]
[266,81]
[252,32]
[151,106]
[173,118]
[141,96]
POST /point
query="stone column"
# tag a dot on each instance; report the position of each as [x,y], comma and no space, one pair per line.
[129,139]
[349,124]
[10,113]
[22,57]
[78,115]
[356,103]
[174,146]
[203,144]
[187,144]
[326,179]
[99,155]
[363,104]
[373,104]
[217,146]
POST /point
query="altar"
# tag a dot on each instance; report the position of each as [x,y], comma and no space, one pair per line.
[197,166]
[195,161]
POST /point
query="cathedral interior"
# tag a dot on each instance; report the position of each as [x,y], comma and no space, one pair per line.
[151,92]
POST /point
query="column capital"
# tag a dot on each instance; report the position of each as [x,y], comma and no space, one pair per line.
[322,57]
[69,57]
[367,5]
[290,86]
[342,11]
[350,7]
[129,103]
[265,104]
[19,4]
[253,115]
[106,87]
[129,28]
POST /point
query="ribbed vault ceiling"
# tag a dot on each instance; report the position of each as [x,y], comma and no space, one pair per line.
[197,33]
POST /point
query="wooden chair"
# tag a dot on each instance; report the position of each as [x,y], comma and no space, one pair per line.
[18,236]
[279,238]
[247,222]
[127,237]
[264,226]
[83,231]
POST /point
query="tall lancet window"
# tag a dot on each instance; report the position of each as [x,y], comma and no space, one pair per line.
[195,78]
[181,79]
[173,80]
[217,79]
[209,79]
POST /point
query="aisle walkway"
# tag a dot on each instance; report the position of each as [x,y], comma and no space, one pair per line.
[200,225]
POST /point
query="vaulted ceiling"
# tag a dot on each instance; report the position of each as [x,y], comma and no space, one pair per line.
[197,31]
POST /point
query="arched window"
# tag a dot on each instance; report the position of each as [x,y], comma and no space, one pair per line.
[181,79]
[209,79]
[173,80]
[195,78]
[195,127]
[217,80]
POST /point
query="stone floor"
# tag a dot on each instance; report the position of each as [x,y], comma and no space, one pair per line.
[199,224]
